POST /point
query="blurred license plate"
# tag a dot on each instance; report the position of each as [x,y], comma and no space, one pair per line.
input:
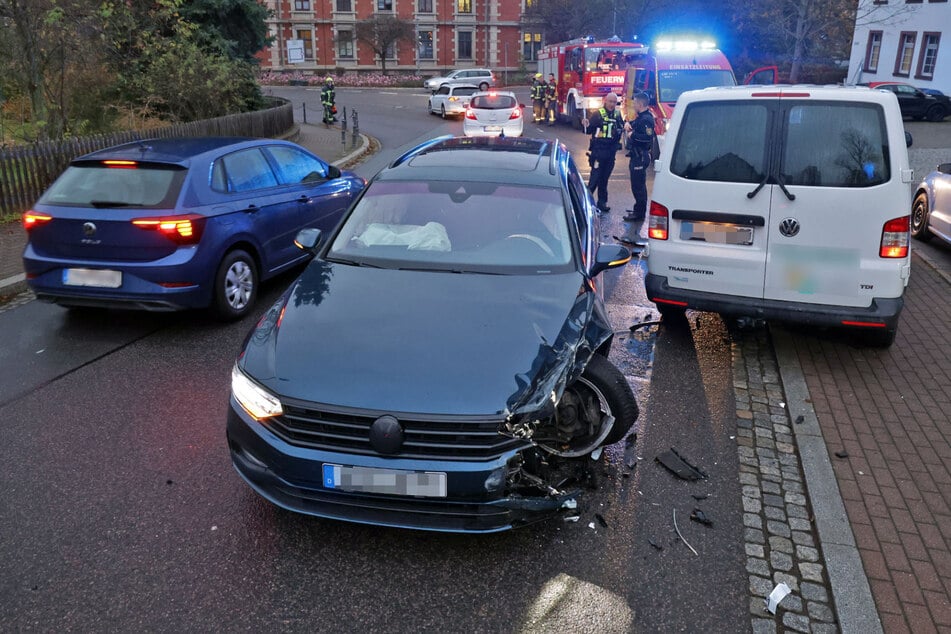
[716,232]
[493,128]
[431,484]
[92,277]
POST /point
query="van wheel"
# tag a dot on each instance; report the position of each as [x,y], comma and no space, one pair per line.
[936,113]
[919,218]
[236,285]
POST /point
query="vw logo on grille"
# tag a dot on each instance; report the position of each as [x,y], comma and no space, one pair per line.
[386,435]
[789,227]
[89,229]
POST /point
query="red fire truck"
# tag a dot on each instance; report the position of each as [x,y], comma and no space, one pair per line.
[670,68]
[587,70]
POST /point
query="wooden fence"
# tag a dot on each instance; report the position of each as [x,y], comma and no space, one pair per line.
[26,172]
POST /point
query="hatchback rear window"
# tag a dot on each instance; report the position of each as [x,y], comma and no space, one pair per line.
[147,186]
[492,102]
[464,91]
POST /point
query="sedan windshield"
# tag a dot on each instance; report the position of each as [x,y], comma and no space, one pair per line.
[457,226]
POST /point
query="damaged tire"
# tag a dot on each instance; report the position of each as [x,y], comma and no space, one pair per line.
[600,392]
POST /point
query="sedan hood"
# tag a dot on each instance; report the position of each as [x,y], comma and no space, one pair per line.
[426,342]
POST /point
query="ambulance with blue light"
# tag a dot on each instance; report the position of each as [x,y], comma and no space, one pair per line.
[671,67]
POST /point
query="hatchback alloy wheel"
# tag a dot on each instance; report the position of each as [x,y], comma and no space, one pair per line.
[238,285]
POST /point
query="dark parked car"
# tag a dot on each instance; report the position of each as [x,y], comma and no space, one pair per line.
[169,224]
[442,363]
[931,211]
[914,103]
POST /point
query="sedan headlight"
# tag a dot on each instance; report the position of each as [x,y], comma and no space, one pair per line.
[256,401]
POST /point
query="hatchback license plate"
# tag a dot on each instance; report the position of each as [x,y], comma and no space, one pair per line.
[493,128]
[716,232]
[430,484]
[101,278]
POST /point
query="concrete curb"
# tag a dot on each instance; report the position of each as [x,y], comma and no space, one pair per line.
[854,606]
[13,285]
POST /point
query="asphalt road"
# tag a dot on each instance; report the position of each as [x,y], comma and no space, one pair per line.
[119,508]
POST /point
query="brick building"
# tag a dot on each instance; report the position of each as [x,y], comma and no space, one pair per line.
[449,33]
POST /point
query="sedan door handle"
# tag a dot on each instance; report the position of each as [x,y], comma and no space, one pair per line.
[305,199]
[253,208]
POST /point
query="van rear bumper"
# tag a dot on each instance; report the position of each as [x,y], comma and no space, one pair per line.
[884,310]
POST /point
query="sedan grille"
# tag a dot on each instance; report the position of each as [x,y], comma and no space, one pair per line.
[425,436]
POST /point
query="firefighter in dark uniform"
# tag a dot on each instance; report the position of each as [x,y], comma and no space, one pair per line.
[538,98]
[605,128]
[551,100]
[328,100]
[640,142]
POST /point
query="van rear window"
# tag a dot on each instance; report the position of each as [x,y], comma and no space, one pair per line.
[834,144]
[722,141]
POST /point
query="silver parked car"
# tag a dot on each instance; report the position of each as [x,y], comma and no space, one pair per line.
[451,100]
[931,211]
[481,77]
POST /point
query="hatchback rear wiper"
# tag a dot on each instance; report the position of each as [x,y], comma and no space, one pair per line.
[99,204]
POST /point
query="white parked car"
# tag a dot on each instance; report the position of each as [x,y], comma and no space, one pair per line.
[451,100]
[787,203]
[931,211]
[481,77]
[493,114]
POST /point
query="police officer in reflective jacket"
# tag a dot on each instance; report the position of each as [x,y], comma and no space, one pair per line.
[605,128]
[640,142]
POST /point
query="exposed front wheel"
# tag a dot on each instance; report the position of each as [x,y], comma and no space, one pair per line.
[236,285]
[936,113]
[599,395]
[919,218]
[483,86]
[443,111]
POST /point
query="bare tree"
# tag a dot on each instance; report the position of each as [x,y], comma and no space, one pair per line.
[382,32]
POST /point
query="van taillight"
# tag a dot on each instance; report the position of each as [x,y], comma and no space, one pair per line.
[895,238]
[180,229]
[657,228]
[32,219]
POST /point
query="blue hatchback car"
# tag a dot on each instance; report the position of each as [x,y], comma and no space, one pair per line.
[442,362]
[171,224]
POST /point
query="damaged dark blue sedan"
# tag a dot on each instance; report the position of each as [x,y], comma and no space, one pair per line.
[441,364]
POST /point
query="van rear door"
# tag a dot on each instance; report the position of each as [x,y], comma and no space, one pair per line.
[825,227]
[717,239]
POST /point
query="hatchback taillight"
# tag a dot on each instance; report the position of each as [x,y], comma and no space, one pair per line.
[516,113]
[895,238]
[33,219]
[470,114]
[657,228]
[179,229]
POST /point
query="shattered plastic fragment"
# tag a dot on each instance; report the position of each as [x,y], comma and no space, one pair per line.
[700,496]
[675,463]
[603,522]
[596,454]
[654,544]
[701,517]
[800,419]
[570,504]
[630,440]
[842,454]
[572,518]
[591,525]
[780,592]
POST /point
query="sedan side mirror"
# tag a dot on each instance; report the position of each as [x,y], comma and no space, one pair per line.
[907,139]
[945,168]
[609,256]
[333,171]
[308,240]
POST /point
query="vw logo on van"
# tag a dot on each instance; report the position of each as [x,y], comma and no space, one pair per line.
[789,227]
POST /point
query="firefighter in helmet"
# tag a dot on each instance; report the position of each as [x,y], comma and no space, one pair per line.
[538,97]
[328,100]
[551,100]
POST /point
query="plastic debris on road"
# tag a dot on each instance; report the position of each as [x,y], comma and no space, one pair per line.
[780,592]
[677,465]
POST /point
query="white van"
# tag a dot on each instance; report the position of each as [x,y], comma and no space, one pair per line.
[786,203]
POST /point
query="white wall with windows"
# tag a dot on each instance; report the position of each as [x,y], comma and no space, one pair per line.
[898,40]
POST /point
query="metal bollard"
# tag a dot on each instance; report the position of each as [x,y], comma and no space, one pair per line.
[356,130]
[304,108]
[343,129]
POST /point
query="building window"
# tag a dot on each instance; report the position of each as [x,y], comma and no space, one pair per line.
[465,45]
[424,6]
[344,6]
[531,42]
[345,44]
[307,36]
[463,6]
[384,5]
[390,51]
[872,51]
[425,44]
[301,5]
[928,56]
[906,52]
